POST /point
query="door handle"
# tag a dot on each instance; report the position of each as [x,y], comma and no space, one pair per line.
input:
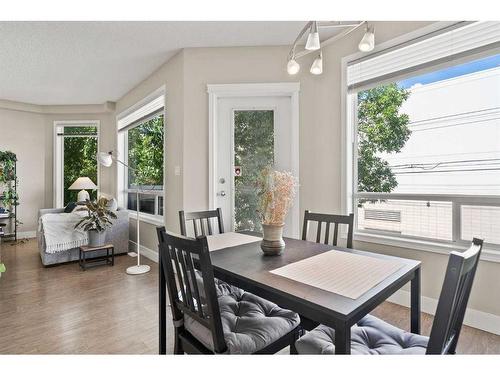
[221,193]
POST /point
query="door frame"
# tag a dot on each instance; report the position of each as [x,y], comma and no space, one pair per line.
[234,90]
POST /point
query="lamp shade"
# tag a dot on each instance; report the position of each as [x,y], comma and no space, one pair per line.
[105,158]
[83,183]
[313,43]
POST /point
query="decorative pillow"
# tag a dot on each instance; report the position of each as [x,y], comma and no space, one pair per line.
[113,204]
[70,207]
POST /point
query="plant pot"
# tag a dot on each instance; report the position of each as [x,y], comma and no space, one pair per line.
[272,242]
[96,238]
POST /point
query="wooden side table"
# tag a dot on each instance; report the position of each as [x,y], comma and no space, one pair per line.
[108,259]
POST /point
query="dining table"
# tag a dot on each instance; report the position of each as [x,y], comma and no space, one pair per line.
[245,266]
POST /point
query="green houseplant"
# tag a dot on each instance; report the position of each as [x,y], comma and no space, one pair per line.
[97,221]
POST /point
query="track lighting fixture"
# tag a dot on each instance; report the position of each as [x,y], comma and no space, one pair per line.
[313,43]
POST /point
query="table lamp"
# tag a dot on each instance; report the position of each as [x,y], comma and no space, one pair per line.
[83,184]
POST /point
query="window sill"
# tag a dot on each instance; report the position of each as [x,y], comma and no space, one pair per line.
[488,254]
[145,218]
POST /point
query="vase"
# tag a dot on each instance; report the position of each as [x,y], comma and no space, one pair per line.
[96,238]
[272,242]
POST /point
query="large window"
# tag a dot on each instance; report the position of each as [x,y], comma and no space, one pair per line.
[141,141]
[76,145]
[426,147]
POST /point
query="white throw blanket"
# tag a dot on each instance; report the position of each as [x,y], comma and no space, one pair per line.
[60,233]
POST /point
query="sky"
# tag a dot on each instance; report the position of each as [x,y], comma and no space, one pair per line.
[454,71]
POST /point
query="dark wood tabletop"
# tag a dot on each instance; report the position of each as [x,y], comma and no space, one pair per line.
[247,267]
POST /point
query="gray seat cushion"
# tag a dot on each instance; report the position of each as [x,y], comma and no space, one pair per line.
[250,323]
[370,336]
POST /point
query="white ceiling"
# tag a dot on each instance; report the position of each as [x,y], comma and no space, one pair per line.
[92,62]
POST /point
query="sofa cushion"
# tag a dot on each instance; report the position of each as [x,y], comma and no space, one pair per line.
[370,336]
[250,323]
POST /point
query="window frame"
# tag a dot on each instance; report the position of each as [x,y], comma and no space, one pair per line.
[349,152]
[58,178]
[122,176]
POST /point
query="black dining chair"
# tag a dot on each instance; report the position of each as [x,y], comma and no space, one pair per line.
[204,219]
[374,336]
[328,219]
[209,322]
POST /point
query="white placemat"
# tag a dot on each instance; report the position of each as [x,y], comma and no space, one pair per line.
[230,239]
[347,274]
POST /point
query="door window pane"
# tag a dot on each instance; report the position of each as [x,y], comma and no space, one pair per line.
[253,150]
[80,148]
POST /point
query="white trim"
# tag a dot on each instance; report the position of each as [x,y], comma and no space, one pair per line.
[58,199]
[27,234]
[488,254]
[218,91]
[145,251]
[141,103]
[473,318]
[146,218]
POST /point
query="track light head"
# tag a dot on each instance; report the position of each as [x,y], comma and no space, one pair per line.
[317,65]
[292,67]
[367,43]
[313,42]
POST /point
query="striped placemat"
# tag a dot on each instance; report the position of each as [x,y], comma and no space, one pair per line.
[347,274]
[230,239]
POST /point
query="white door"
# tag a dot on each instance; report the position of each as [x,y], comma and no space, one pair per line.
[252,132]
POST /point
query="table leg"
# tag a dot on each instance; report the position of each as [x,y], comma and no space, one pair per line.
[113,256]
[162,301]
[415,302]
[343,339]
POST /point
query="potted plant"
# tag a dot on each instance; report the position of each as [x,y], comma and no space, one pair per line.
[276,192]
[97,221]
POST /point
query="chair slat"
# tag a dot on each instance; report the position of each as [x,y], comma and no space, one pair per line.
[196,290]
[327,234]
[187,280]
[335,234]
[318,232]
[203,232]
[179,274]
[209,225]
[195,225]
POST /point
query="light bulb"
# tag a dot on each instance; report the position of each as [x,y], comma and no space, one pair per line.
[317,65]
[313,43]
[292,67]
[367,43]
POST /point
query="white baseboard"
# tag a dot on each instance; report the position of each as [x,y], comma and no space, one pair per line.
[145,251]
[473,318]
[29,234]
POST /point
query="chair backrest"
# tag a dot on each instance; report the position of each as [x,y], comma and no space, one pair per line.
[453,300]
[204,220]
[178,256]
[328,219]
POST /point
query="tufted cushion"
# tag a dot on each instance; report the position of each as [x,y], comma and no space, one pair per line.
[370,336]
[250,323]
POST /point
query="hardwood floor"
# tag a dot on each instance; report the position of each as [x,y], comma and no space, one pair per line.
[105,311]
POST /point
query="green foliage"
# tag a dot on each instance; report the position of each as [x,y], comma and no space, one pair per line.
[8,196]
[99,217]
[145,153]
[79,160]
[381,128]
[254,150]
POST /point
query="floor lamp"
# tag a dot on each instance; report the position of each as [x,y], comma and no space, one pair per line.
[106,160]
